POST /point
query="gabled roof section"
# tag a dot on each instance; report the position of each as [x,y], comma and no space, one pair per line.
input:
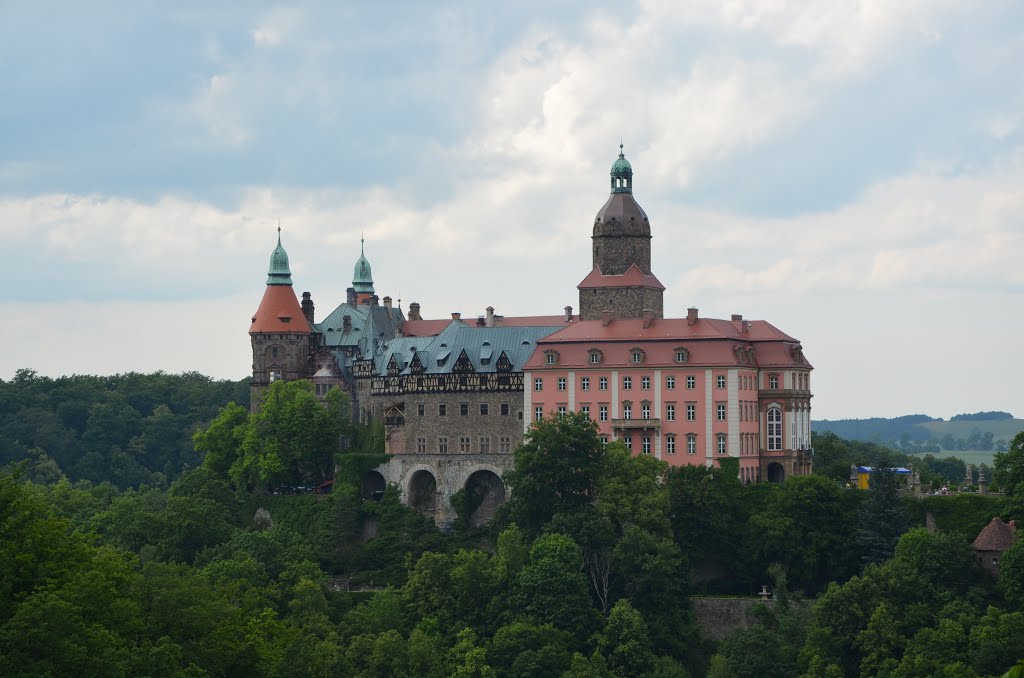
[996,536]
[434,355]
[279,311]
[633,277]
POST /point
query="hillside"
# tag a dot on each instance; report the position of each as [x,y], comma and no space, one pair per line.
[979,432]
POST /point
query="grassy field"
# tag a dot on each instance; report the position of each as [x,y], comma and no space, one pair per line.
[973,457]
[1002,428]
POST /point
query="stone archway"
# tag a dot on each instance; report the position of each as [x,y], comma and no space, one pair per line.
[422,492]
[486,493]
[776,472]
[373,486]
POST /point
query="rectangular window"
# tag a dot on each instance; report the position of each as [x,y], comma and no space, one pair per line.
[561,383]
[585,409]
[721,381]
[604,441]
[275,375]
[585,384]
[773,382]
[485,445]
[505,444]
[504,409]
[691,444]
[442,445]
[421,445]
[627,383]
[691,382]
[721,443]
[680,356]
[561,410]
[627,410]
[721,412]
[645,411]
[595,358]
[442,410]
[602,413]
[602,383]
[484,408]
[421,409]
[691,413]
[538,384]
[670,412]
[670,383]
[551,358]
[645,444]
[645,383]
[464,409]
[774,429]
[670,444]
[638,357]
[628,440]
[538,413]
[463,443]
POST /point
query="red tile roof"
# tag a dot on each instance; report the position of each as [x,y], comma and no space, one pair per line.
[534,321]
[424,328]
[996,536]
[709,342]
[633,277]
[279,311]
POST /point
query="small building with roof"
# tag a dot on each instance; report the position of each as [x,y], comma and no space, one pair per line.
[993,540]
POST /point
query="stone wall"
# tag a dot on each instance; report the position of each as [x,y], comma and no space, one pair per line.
[623,302]
[290,353]
[453,425]
[445,474]
[718,617]
[616,251]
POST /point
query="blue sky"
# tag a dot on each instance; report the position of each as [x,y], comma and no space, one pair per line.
[851,171]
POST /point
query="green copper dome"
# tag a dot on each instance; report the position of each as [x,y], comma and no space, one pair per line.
[362,277]
[279,273]
[622,174]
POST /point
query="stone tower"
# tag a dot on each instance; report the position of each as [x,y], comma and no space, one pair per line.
[280,333]
[621,280]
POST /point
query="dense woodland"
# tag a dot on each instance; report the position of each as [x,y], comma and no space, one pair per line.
[201,569]
[919,433]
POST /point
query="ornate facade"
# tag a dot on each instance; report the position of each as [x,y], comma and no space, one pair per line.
[456,396]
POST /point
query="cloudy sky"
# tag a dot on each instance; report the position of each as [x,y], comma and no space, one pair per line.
[852,171]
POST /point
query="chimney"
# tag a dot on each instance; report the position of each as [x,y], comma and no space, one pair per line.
[387,303]
[350,296]
[691,316]
[346,323]
[606,318]
[490,316]
[456,316]
[307,306]
[374,300]
[568,314]
[414,311]
[648,316]
[737,321]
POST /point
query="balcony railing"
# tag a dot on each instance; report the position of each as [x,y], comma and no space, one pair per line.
[636,423]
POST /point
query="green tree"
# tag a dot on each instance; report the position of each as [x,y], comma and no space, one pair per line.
[882,517]
[625,642]
[1009,466]
[556,470]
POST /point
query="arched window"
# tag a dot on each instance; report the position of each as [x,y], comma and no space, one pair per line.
[774,429]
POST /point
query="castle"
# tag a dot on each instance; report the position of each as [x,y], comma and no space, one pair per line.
[456,396]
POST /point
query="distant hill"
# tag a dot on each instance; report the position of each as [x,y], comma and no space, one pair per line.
[981,431]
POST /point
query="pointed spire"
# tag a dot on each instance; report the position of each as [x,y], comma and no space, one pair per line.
[362,277]
[279,273]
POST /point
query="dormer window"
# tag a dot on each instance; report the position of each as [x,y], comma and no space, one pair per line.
[682,355]
[637,356]
[596,356]
[551,357]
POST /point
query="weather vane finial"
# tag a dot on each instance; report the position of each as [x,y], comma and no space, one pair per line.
[620,148]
